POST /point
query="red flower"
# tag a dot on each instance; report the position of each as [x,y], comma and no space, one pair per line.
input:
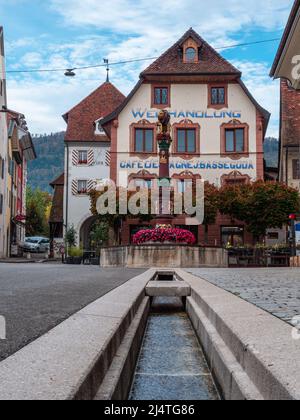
[180,236]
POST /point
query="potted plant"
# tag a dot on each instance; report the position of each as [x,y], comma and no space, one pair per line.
[75,256]
[71,241]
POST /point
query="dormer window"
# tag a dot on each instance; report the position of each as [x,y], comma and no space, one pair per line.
[191,50]
[98,127]
[190,55]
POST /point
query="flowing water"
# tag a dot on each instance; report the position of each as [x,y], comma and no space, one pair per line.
[171,364]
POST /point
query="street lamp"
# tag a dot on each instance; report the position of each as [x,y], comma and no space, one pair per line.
[70,73]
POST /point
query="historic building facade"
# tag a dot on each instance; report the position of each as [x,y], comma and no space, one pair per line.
[3,152]
[20,152]
[218,129]
[87,157]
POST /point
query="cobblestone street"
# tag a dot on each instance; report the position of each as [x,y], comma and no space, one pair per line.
[274,290]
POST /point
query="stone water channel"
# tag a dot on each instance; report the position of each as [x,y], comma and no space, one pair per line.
[171,364]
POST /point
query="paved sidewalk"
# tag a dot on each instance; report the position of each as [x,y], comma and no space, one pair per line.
[276,290]
[34,298]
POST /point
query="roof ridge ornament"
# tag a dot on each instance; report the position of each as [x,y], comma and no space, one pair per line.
[106,61]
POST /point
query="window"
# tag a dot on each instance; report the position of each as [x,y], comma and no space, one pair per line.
[144,183]
[82,187]
[186,140]
[218,96]
[296,169]
[83,157]
[235,181]
[144,140]
[232,235]
[1,203]
[190,55]
[161,96]
[184,185]
[235,140]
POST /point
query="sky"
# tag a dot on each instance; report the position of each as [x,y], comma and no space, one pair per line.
[50,34]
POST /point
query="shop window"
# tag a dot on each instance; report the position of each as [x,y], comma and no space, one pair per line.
[232,236]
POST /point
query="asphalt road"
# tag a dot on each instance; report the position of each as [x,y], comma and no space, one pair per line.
[34,298]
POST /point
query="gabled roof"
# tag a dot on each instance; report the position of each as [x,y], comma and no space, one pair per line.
[82,117]
[285,36]
[210,61]
[170,63]
[58,181]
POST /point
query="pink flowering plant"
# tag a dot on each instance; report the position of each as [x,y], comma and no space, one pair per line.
[178,236]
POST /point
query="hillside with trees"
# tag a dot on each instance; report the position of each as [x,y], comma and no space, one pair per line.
[49,163]
[271,148]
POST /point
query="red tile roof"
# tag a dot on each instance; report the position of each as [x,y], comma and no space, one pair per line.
[210,62]
[82,117]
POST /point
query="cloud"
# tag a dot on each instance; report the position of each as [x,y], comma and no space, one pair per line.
[126,29]
[264,89]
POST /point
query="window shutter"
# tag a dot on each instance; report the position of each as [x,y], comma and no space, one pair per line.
[75,157]
[107,158]
[91,185]
[75,187]
[91,159]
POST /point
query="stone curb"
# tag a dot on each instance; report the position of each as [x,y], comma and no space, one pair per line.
[251,352]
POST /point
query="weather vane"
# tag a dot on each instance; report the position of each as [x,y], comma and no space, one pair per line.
[106,61]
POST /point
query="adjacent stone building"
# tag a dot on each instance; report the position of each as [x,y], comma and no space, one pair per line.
[4,234]
[87,157]
[287,67]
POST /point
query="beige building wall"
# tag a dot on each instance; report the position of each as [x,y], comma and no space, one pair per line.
[190,98]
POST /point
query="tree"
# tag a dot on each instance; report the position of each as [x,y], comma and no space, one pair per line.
[37,208]
[211,206]
[261,205]
[99,234]
[71,237]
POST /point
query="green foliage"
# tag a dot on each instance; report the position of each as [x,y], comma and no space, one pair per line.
[271,150]
[71,237]
[261,205]
[99,234]
[75,252]
[49,162]
[38,204]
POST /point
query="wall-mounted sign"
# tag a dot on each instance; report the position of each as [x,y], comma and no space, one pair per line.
[150,114]
[190,165]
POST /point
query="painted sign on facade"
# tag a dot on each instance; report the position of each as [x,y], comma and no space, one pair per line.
[151,114]
[189,165]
